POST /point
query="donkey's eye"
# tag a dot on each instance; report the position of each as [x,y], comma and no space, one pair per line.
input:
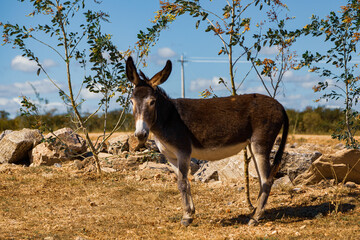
[152,102]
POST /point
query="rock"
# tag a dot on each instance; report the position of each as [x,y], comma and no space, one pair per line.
[156,171]
[49,238]
[66,138]
[4,133]
[240,189]
[16,146]
[58,165]
[350,185]
[215,184]
[151,145]
[294,145]
[277,141]
[46,154]
[157,166]
[295,162]
[343,166]
[105,155]
[194,166]
[102,147]
[283,182]
[108,169]
[225,169]
[118,144]
[78,164]
[135,144]
[339,146]
[81,238]
[65,146]
[128,143]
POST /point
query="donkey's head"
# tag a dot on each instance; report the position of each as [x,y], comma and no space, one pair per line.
[144,97]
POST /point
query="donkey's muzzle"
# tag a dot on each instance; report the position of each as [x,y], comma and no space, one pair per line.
[141,130]
[141,135]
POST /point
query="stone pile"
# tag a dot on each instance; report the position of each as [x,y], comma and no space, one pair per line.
[300,165]
[30,147]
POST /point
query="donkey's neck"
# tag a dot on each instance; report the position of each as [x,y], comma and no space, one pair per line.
[165,110]
[168,126]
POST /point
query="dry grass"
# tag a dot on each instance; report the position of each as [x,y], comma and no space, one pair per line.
[65,203]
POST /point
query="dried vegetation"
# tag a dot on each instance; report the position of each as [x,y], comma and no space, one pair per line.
[67,203]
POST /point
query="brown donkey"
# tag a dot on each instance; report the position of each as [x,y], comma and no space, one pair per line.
[209,129]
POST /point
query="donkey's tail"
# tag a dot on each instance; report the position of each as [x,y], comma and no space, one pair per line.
[277,160]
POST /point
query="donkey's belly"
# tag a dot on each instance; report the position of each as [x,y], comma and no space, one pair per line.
[217,153]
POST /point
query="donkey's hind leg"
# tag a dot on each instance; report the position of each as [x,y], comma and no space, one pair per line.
[261,159]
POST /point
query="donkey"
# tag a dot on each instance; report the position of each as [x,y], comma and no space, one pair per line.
[209,129]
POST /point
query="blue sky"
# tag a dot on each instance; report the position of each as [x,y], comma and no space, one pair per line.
[204,66]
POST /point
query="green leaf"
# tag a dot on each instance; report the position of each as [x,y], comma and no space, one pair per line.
[197,24]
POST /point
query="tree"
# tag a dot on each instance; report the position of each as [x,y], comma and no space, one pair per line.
[273,70]
[108,76]
[4,115]
[312,121]
[341,31]
[232,28]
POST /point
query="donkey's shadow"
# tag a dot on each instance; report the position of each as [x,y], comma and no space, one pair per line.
[291,214]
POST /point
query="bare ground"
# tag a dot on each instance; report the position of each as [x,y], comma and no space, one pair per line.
[66,203]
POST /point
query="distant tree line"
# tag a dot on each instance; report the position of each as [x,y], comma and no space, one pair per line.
[56,121]
[318,120]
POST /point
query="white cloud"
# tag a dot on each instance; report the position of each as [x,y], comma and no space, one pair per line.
[25,88]
[86,94]
[257,89]
[13,105]
[10,105]
[334,106]
[201,84]
[294,97]
[41,86]
[166,52]
[24,64]
[5,101]
[306,81]
[269,50]
[47,63]
[16,100]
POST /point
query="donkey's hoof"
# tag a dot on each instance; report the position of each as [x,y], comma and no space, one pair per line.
[186,221]
[253,222]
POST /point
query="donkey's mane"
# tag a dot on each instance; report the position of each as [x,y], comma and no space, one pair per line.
[162,92]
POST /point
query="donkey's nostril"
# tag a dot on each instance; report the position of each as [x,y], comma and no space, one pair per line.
[142,136]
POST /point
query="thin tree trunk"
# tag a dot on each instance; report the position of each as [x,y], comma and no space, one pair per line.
[247,182]
[73,104]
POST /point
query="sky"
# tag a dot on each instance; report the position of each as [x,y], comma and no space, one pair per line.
[203,68]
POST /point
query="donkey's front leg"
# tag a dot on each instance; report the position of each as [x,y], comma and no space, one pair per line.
[184,188]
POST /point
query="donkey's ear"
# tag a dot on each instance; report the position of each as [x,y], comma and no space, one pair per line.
[161,76]
[131,72]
